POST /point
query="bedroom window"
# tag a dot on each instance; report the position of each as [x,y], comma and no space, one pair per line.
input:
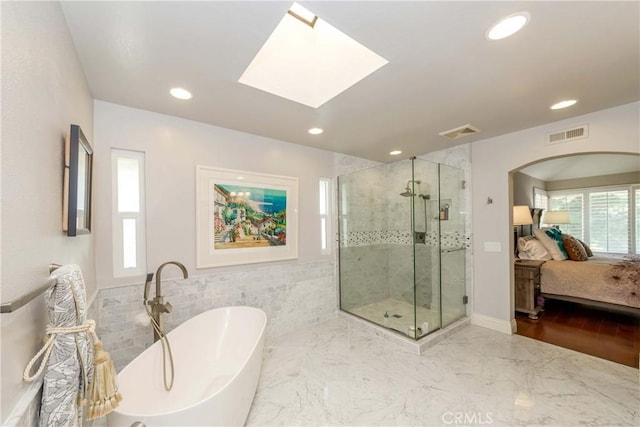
[607,219]
[540,198]
[575,205]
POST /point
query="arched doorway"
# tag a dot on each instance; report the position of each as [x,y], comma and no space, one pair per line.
[583,180]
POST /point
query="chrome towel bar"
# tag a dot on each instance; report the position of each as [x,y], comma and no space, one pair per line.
[8,307]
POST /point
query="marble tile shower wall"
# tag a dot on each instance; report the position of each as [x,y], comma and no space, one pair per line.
[293,296]
[452,288]
[401,274]
[365,270]
[362,201]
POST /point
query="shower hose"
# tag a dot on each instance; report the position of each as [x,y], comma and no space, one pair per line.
[166,349]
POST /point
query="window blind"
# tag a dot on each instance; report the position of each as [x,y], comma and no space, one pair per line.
[574,203]
[609,221]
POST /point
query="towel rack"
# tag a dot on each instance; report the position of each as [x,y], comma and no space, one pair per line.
[8,307]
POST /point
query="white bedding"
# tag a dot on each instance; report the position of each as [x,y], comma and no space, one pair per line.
[610,280]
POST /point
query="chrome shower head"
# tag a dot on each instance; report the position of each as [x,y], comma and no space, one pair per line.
[407,190]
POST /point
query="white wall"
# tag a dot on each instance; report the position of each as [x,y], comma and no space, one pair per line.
[293,293]
[612,130]
[173,147]
[43,92]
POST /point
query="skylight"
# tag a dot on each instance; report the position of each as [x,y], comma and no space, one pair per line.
[309,61]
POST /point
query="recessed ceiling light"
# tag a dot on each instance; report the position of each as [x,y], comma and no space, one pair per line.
[508,26]
[395,152]
[180,93]
[563,104]
[315,131]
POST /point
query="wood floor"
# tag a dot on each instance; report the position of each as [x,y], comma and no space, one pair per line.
[609,335]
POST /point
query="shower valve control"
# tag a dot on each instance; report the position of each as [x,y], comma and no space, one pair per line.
[168,307]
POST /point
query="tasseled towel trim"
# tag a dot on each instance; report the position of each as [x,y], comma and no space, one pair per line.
[103,394]
[103,390]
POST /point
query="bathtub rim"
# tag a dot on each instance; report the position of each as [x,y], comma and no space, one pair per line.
[236,374]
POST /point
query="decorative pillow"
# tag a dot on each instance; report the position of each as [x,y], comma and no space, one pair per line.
[586,248]
[522,242]
[556,235]
[574,248]
[530,248]
[550,245]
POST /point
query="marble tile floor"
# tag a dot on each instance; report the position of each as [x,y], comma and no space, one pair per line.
[335,374]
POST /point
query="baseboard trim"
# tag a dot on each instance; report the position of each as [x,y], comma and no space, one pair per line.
[504,326]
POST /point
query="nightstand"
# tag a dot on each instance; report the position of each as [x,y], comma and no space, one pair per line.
[527,286]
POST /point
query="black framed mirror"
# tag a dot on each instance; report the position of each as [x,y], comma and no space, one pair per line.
[77,183]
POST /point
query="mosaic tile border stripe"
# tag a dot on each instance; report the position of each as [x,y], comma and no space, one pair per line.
[452,240]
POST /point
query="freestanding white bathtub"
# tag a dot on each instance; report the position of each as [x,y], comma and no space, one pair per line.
[217,357]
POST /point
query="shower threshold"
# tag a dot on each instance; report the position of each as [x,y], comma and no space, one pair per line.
[398,316]
[395,327]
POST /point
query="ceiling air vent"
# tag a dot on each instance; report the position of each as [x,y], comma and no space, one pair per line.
[459,132]
[568,135]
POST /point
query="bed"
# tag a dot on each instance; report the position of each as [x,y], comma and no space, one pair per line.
[600,281]
[572,272]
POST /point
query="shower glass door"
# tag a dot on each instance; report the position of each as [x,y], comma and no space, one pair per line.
[426,254]
[453,244]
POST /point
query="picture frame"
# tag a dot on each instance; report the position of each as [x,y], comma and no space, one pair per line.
[77,191]
[244,217]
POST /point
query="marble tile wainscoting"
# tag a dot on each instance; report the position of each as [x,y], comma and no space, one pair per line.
[294,296]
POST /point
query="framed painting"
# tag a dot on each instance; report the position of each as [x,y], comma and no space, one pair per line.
[244,217]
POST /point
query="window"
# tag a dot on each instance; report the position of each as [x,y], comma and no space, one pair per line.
[325,208]
[128,215]
[607,219]
[574,204]
[540,198]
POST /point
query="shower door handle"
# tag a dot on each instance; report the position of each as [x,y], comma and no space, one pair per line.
[446,251]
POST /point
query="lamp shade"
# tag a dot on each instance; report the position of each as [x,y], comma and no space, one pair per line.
[522,215]
[555,217]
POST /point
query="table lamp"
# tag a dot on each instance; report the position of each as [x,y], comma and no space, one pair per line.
[555,218]
[521,216]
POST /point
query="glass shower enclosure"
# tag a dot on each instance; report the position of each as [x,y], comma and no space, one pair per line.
[402,245]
